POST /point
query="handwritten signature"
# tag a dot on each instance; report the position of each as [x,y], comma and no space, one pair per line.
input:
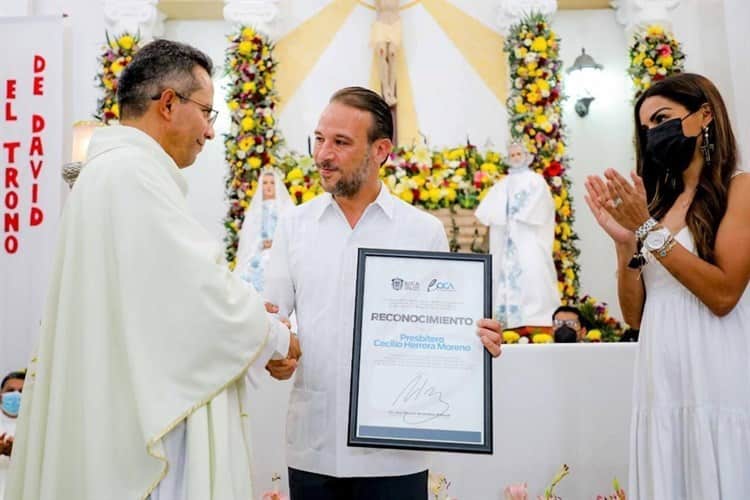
[416,393]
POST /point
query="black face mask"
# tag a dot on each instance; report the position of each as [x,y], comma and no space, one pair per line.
[565,334]
[668,150]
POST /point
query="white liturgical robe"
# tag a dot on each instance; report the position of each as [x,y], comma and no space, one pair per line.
[521,215]
[145,330]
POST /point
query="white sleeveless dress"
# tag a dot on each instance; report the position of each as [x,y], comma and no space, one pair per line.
[690,429]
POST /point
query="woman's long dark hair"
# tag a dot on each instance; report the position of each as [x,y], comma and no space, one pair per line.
[710,201]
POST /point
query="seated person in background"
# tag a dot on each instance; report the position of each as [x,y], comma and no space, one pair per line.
[10,401]
[568,324]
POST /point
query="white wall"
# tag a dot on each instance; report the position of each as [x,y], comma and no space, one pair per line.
[600,140]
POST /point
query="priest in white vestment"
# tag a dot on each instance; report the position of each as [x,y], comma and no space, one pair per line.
[521,215]
[136,388]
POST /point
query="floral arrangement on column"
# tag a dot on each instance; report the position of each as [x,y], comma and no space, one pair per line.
[115,56]
[253,140]
[534,108]
[654,55]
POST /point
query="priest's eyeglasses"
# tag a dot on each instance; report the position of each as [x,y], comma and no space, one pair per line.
[572,323]
[210,113]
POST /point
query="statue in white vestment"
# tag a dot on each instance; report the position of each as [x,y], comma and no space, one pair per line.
[256,237]
[521,215]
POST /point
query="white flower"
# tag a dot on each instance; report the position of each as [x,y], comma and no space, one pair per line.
[523,340]
[259,148]
[240,154]
[556,181]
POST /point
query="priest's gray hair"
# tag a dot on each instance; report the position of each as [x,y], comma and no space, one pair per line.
[157,66]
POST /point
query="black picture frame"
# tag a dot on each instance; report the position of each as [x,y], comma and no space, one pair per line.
[485,444]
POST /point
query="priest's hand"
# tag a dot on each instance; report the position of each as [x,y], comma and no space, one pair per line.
[490,332]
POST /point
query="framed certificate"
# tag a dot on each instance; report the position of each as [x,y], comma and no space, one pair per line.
[421,378]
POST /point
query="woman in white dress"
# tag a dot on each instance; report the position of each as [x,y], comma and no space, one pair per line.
[682,233]
[271,199]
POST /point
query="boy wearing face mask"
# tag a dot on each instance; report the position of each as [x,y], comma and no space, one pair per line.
[10,402]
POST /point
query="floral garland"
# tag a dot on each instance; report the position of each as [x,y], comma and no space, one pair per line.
[253,140]
[116,55]
[654,55]
[600,325]
[535,118]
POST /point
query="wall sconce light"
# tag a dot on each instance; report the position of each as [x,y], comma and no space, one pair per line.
[82,132]
[583,76]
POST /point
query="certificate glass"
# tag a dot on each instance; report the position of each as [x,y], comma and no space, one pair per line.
[421,378]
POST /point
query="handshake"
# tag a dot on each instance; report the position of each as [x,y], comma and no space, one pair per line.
[282,369]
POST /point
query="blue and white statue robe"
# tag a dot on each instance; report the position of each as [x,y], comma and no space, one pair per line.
[521,215]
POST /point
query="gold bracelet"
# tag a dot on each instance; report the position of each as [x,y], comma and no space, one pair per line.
[664,251]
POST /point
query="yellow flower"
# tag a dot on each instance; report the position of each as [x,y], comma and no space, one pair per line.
[307,196]
[556,246]
[540,121]
[655,30]
[117,67]
[533,97]
[245,48]
[652,70]
[450,194]
[558,202]
[248,33]
[295,174]
[269,120]
[434,194]
[115,110]
[539,44]
[407,196]
[126,42]
[542,338]
[254,162]
[521,108]
[248,87]
[424,194]
[666,61]
[648,62]
[594,335]
[523,72]
[461,171]
[490,168]
[569,274]
[510,337]
[233,105]
[456,154]
[246,143]
[565,230]
[247,123]
[243,203]
[543,85]
[419,180]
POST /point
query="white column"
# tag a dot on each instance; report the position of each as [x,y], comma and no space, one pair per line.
[634,14]
[15,8]
[260,14]
[134,16]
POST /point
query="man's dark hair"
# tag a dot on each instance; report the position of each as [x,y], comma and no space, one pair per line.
[367,100]
[159,65]
[574,310]
[20,375]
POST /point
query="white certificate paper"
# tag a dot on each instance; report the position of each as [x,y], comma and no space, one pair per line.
[421,378]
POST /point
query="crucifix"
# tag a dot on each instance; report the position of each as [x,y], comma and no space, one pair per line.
[385,40]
